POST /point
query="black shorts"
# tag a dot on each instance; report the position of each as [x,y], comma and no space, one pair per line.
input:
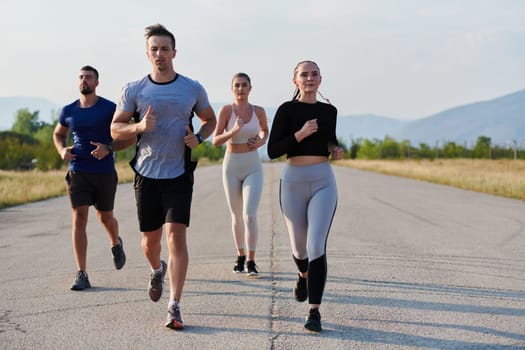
[92,189]
[163,200]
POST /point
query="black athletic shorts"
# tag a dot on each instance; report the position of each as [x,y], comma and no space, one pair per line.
[92,189]
[163,200]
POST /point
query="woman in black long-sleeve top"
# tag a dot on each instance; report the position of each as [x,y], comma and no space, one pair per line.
[304,130]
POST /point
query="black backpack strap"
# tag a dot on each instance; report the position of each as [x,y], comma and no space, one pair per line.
[189,165]
[136,118]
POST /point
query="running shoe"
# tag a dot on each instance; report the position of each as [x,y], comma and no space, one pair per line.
[252,269]
[174,319]
[313,321]
[300,291]
[239,264]
[119,257]
[81,281]
[155,284]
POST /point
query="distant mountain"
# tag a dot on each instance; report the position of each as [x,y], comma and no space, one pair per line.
[367,126]
[9,106]
[502,119]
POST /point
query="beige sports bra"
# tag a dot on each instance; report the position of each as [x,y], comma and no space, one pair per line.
[249,129]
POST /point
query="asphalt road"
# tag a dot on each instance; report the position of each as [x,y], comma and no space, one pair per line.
[412,265]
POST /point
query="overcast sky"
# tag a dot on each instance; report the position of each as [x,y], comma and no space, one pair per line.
[404,59]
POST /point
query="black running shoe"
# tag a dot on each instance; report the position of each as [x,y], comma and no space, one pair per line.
[313,321]
[300,291]
[239,264]
[81,281]
[119,257]
[174,319]
[156,282]
[252,269]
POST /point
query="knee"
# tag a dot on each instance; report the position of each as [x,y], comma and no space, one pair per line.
[107,220]
[176,239]
[250,220]
[149,243]
[315,252]
[80,220]
[236,220]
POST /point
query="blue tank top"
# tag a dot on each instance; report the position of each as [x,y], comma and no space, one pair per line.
[86,125]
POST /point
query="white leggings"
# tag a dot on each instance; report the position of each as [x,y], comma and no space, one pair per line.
[242,178]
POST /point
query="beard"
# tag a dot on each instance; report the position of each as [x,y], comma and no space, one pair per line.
[86,90]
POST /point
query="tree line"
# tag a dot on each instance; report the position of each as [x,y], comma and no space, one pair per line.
[389,148]
[29,145]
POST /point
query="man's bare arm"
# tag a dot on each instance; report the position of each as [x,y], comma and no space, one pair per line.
[121,129]
[208,122]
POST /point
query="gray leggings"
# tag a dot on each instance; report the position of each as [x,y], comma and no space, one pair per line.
[308,199]
[242,178]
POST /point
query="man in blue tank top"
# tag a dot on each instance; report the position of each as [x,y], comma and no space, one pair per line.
[91,178]
[164,102]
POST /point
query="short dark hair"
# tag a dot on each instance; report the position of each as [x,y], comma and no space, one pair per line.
[159,30]
[90,69]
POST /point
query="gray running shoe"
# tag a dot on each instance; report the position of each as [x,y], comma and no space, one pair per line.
[155,284]
[119,257]
[300,291]
[239,264]
[313,322]
[174,319]
[252,269]
[81,281]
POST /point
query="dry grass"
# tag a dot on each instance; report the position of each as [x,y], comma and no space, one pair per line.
[19,187]
[499,177]
[125,174]
[29,186]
